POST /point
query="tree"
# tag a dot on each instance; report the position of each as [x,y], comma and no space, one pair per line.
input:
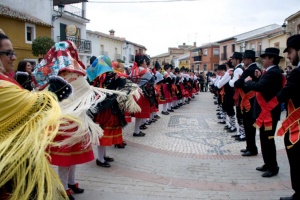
[41,45]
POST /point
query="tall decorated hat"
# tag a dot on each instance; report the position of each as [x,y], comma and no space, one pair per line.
[61,57]
[100,65]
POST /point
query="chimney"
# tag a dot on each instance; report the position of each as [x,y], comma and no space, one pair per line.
[112,32]
[183,44]
[194,44]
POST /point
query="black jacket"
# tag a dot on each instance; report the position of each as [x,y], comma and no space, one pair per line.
[268,85]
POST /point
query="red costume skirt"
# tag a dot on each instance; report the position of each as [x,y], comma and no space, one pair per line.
[144,104]
[184,91]
[70,155]
[128,117]
[167,93]
[112,129]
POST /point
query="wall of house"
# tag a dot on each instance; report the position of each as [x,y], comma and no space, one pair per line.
[15,30]
[110,45]
[279,41]
[40,9]
[293,26]
[229,50]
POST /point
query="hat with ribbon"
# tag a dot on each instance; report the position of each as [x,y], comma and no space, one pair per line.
[271,52]
[249,54]
[292,42]
[237,55]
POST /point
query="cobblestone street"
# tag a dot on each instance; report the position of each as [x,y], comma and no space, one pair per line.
[184,155]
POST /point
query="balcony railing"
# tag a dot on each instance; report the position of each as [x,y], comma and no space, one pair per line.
[197,58]
[105,53]
[131,58]
[82,45]
[117,56]
[224,56]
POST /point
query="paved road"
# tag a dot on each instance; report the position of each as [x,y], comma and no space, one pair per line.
[185,155]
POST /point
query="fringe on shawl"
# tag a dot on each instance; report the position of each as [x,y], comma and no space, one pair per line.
[127,103]
[83,98]
[22,150]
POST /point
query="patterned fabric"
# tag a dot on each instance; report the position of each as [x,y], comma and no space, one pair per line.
[62,56]
[100,65]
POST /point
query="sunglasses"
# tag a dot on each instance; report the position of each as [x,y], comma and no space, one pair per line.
[9,54]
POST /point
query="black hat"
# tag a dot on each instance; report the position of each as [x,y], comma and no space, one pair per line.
[271,52]
[139,59]
[237,55]
[293,41]
[249,54]
[222,67]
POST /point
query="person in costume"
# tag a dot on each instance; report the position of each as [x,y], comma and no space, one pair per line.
[23,75]
[236,60]
[27,118]
[110,114]
[290,126]
[158,87]
[267,111]
[167,90]
[76,139]
[247,102]
[140,75]
[227,97]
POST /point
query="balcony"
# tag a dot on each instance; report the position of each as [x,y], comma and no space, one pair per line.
[197,58]
[131,58]
[105,53]
[83,46]
[224,56]
[117,56]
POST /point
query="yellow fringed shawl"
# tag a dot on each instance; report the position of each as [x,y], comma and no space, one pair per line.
[28,124]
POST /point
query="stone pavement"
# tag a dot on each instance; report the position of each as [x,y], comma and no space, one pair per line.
[184,155]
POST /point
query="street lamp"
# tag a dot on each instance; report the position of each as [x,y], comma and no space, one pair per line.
[60,12]
[283,28]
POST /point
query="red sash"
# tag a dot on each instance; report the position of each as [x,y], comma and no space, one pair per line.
[265,116]
[291,123]
[245,103]
[236,96]
[222,93]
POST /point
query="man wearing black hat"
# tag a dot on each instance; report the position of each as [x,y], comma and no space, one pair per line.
[266,108]
[236,60]
[290,126]
[247,102]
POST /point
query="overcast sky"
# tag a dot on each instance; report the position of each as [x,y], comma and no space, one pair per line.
[158,26]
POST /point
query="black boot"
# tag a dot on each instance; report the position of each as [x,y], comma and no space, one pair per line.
[75,188]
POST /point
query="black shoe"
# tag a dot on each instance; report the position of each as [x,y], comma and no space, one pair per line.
[240,139]
[104,164]
[76,189]
[249,153]
[270,173]
[231,130]
[164,113]
[236,136]
[108,159]
[227,127]
[170,110]
[148,122]
[143,127]
[219,117]
[287,198]
[156,117]
[244,150]
[140,134]
[120,146]
[222,122]
[262,168]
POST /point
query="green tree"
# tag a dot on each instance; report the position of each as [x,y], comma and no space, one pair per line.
[41,45]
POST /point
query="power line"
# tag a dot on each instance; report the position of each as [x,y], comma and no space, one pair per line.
[146,1]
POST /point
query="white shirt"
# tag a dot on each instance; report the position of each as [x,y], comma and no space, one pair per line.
[225,79]
[236,75]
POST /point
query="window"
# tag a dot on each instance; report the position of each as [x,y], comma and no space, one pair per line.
[186,62]
[205,67]
[29,33]
[233,47]
[276,45]
[253,47]
[216,66]
[205,52]
[216,52]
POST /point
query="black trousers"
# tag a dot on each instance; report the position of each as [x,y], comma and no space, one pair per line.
[294,160]
[268,147]
[250,131]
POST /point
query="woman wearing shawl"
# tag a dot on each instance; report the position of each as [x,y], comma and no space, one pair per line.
[140,75]
[28,124]
[75,139]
